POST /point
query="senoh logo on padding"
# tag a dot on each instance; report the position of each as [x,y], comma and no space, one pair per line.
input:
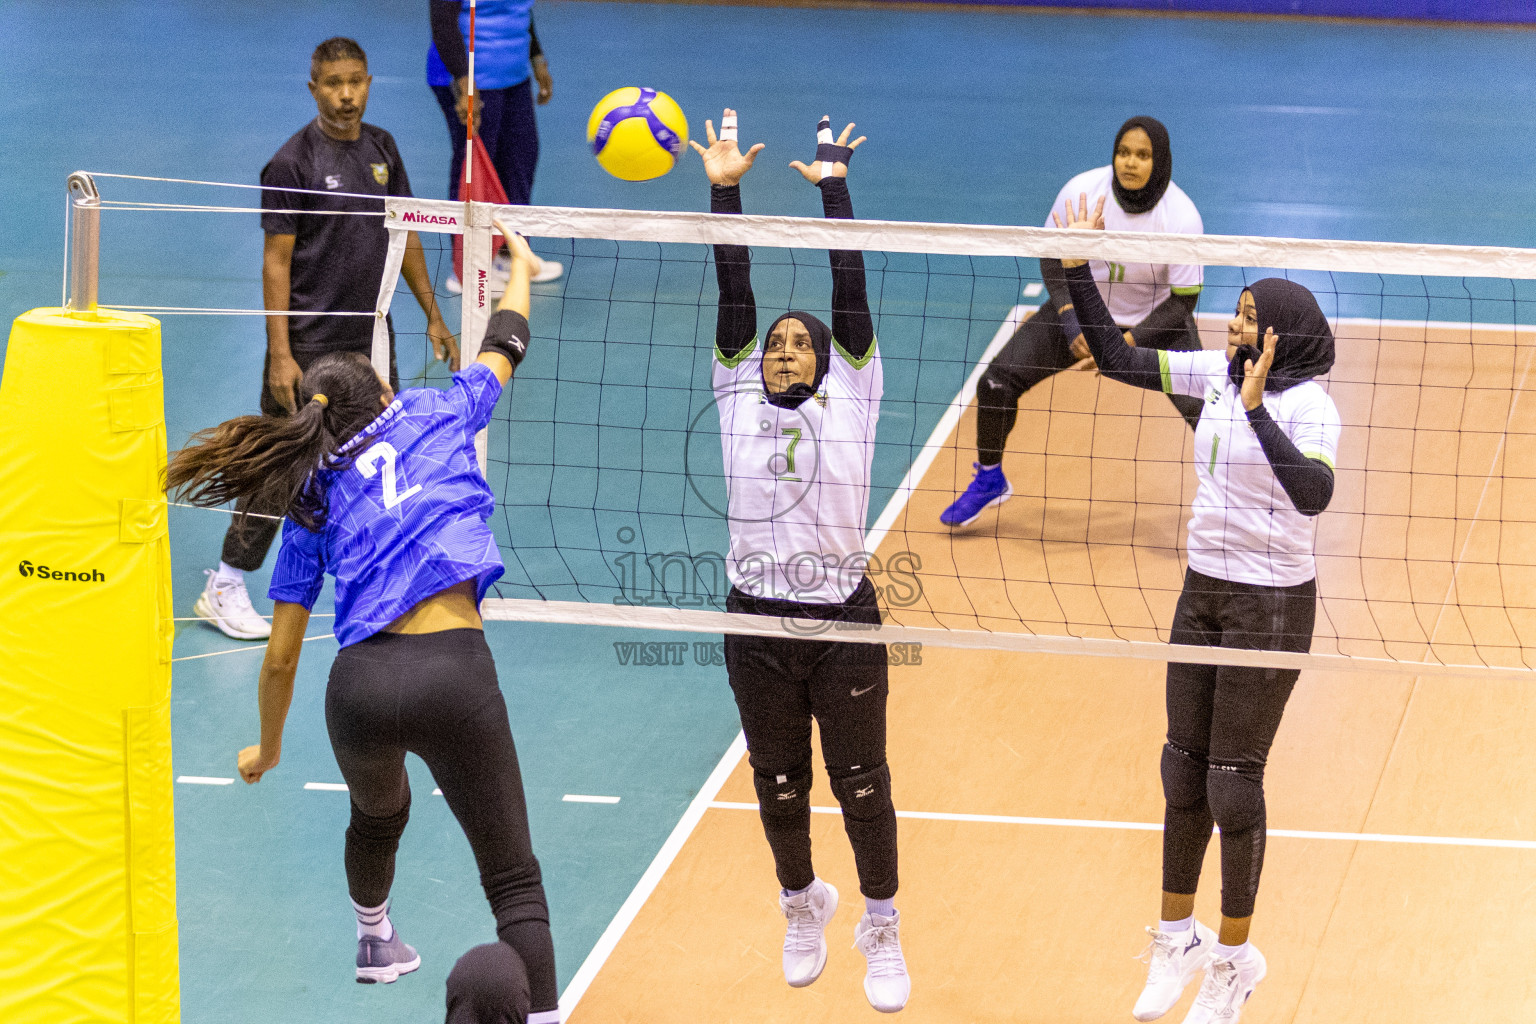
[43,573]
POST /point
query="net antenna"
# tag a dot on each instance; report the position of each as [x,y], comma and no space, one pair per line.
[84,243]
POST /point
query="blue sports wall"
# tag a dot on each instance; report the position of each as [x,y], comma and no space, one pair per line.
[1487,11]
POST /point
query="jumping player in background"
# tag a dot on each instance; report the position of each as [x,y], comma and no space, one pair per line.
[383,492]
[1153,304]
[1265,446]
[508,61]
[319,264]
[797,429]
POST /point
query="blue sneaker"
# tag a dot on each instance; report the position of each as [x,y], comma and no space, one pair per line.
[381,961]
[989,487]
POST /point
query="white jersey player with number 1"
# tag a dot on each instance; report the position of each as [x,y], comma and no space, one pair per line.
[797,431]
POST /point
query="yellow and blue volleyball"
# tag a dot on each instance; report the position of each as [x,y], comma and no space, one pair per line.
[637,134]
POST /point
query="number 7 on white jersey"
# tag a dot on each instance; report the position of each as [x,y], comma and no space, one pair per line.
[384,453]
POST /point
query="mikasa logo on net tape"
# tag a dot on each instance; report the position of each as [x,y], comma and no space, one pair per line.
[43,572]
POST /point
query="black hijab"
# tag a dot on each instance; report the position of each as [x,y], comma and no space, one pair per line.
[821,341]
[1303,340]
[1149,195]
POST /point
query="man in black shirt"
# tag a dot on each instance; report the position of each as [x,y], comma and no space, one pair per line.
[320,263]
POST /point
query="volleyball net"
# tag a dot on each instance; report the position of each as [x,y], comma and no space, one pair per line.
[605,456]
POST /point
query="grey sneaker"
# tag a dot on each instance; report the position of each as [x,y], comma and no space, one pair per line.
[381,961]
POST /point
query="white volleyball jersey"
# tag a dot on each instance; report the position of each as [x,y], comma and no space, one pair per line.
[1243,527]
[797,480]
[1132,290]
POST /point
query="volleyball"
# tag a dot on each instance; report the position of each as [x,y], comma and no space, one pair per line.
[637,134]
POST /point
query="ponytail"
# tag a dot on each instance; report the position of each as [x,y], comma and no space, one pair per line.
[277,462]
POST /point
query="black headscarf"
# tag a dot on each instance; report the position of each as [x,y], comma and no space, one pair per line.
[1149,195]
[821,341]
[1303,339]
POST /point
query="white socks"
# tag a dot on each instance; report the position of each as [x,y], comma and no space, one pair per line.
[544,1017]
[1174,927]
[373,922]
[1237,954]
[885,908]
[226,573]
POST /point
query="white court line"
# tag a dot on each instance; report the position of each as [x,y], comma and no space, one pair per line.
[203,780]
[329,787]
[706,795]
[578,798]
[1148,826]
[652,877]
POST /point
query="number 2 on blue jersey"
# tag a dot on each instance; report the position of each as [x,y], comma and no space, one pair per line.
[382,453]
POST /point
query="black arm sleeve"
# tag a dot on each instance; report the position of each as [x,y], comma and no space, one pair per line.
[736,315]
[852,325]
[534,49]
[1117,360]
[1055,279]
[447,37]
[1165,324]
[1307,482]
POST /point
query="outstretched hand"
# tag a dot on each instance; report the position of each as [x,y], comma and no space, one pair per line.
[819,169]
[1255,374]
[1083,221]
[724,161]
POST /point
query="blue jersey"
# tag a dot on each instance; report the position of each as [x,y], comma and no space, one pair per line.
[408,518]
[502,45]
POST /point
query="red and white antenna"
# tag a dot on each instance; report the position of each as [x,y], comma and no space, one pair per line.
[469,120]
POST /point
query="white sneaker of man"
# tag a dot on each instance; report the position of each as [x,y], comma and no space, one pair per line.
[886,984]
[1228,984]
[1177,958]
[805,940]
[225,603]
[501,272]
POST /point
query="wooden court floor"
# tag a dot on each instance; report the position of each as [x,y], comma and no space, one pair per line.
[1401,869]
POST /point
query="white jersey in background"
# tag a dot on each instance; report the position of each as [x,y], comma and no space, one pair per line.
[797,480]
[1243,527]
[1132,290]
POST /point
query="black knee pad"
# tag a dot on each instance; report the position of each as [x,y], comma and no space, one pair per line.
[381,830]
[1237,798]
[784,796]
[1184,784]
[489,985]
[866,795]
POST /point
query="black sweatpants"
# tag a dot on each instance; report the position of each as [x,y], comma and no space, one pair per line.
[1041,349]
[509,130]
[1221,723]
[782,683]
[435,695]
[249,537]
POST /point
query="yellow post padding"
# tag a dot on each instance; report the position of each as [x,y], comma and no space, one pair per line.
[87,833]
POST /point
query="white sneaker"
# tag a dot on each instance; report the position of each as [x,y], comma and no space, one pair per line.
[549,270]
[886,984]
[1228,984]
[1177,959]
[805,940]
[453,285]
[226,604]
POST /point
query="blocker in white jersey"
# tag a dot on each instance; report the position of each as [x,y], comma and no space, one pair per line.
[1244,527]
[797,479]
[797,431]
[1133,290]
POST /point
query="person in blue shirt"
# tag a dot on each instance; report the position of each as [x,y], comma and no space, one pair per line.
[508,61]
[383,492]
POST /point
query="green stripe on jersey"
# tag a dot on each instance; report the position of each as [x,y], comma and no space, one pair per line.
[1162,368]
[857,364]
[1190,289]
[731,362]
[1320,457]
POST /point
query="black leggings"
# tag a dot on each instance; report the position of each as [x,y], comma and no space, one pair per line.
[780,685]
[435,695]
[1221,723]
[1041,349]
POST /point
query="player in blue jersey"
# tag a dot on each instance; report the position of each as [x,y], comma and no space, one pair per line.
[383,492]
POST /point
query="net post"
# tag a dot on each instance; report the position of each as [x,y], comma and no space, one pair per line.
[475,311]
[394,258]
[85,242]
